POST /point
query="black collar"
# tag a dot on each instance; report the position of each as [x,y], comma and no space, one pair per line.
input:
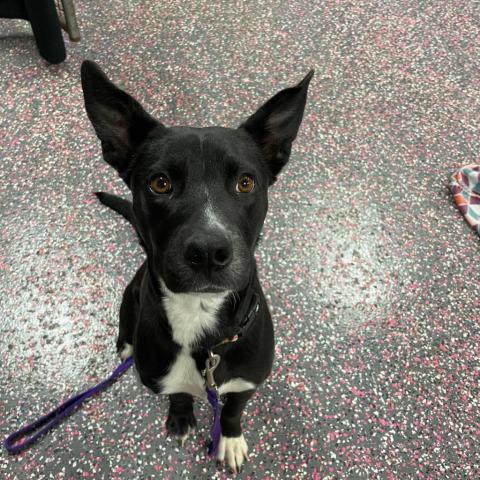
[249,314]
[245,314]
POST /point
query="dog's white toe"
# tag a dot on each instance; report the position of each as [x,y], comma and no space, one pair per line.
[126,351]
[233,450]
[181,439]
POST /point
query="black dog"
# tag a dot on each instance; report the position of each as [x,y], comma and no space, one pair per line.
[199,203]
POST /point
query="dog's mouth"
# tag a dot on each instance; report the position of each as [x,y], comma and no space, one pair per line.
[206,291]
[210,289]
[187,282]
[197,285]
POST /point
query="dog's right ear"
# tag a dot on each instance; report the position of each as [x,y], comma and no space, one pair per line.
[119,120]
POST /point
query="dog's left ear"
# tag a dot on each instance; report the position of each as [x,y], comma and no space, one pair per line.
[274,126]
[119,120]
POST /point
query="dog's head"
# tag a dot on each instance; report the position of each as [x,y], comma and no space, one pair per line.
[199,194]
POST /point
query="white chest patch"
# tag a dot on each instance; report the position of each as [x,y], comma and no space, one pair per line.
[190,316]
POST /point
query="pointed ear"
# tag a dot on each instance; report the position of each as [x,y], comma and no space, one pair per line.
[119,120]
[275,124]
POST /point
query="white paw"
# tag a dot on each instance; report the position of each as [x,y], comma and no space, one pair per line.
[126,351]
[233,450]
[181,439]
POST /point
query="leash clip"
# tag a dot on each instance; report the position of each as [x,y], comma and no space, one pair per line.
[211,364]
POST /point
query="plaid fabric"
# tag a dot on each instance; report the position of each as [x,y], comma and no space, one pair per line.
[465,186]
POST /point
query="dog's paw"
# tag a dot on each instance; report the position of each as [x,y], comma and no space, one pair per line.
[125,351]
[233,451]
[181,425]
[181,439]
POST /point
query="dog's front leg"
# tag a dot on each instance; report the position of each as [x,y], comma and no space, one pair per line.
[233,448]
[181,419]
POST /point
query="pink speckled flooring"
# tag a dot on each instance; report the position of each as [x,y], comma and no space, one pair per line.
[371,273]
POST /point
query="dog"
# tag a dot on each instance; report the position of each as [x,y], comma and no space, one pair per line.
[194,314]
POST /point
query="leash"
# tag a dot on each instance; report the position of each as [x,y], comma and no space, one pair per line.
[14,443]
[19,440]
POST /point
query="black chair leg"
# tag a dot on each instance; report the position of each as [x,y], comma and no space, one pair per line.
[46,28]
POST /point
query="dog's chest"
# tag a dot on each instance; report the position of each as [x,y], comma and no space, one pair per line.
[190,317]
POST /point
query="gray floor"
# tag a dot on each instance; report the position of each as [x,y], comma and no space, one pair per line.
[370,271]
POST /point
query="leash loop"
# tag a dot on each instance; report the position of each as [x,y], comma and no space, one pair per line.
[18,441]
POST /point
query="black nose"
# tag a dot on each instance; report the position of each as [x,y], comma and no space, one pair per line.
[208,252]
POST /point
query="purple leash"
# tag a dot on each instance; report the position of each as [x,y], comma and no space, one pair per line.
[216,430]
[41,426]
[14,443]
[211,364]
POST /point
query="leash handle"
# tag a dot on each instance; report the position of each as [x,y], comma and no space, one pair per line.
[13,442]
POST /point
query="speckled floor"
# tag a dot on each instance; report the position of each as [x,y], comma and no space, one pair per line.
[371,273]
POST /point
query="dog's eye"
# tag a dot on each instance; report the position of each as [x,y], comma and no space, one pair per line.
[160,184]
[245,184]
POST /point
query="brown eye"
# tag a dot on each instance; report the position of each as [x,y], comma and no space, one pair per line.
[160,184]
[245,184]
